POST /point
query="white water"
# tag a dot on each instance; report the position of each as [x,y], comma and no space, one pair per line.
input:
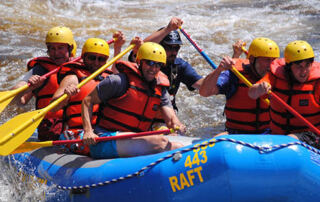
[214,25]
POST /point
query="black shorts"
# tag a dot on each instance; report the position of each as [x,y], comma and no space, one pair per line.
[310,138]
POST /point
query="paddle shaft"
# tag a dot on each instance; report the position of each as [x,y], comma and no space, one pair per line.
[195,45]
[295,113]
[86,80]
[118,137]
[29,146]
[234,70]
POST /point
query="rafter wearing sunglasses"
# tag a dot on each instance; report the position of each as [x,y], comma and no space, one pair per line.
[153,63]
[94,58]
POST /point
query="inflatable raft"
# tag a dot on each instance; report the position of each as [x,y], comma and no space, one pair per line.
[229,168]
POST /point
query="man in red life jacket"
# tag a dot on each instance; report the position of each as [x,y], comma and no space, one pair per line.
[95,53]
[177,69]
[129,102]
[295,79]
[243,114]
[61,47]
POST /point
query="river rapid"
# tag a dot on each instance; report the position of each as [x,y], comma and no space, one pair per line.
[214,25]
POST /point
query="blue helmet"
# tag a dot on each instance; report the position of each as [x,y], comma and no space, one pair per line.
[173,38]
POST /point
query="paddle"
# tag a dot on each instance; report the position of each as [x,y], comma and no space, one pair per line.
[7,96]
[29,146]
[288,107]
[234,70]
[198,48]
[20,128]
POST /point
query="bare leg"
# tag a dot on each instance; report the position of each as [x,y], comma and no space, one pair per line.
[220,134]
[294,136]
[145,145]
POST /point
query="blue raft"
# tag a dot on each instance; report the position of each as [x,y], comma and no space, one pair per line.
[229,168]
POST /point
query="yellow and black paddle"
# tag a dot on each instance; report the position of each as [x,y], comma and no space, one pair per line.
[17,130]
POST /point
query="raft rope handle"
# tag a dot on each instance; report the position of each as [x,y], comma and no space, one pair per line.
[142,171]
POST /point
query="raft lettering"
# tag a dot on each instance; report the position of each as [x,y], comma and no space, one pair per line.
[185,179]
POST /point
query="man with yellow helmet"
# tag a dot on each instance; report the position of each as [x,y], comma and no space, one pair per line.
[95,53]
[60,48]
[128,103]
[243,114]
[295,79]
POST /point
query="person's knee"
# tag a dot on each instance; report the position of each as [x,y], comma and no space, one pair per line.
[294,136]
[163,144]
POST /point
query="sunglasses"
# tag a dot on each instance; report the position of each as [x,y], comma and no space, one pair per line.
[172,48]
[153,63]
[94,58]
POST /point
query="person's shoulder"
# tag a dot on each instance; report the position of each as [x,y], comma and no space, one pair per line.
[228,75]
[181,63]
[116,78]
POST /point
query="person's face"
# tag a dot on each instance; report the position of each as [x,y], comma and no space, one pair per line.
[172,52]
[301,71]
[58,52]
[262,65]
[94,61]
[150,69]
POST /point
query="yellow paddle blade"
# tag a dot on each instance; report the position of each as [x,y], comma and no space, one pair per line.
[17,130]
[7,96]
[4,103]
[29,146]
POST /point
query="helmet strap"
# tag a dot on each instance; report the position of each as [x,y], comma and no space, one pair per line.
[253,68]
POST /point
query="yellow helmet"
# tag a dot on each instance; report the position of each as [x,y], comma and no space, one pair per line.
[298,50]
[61,35]
[74,50]
[264,47]
[95,45]
[152,51]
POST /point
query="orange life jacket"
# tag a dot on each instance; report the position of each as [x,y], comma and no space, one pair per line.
[44,94]
[243,114]
[300,97]
[72,112]
[135,110]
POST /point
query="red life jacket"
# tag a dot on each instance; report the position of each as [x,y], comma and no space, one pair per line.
[72,112]
[243,114]
[135,110]
[44,94]
[300,97]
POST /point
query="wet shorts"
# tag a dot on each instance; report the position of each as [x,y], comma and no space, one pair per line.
[233,132]
[104,150]
[310,138]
